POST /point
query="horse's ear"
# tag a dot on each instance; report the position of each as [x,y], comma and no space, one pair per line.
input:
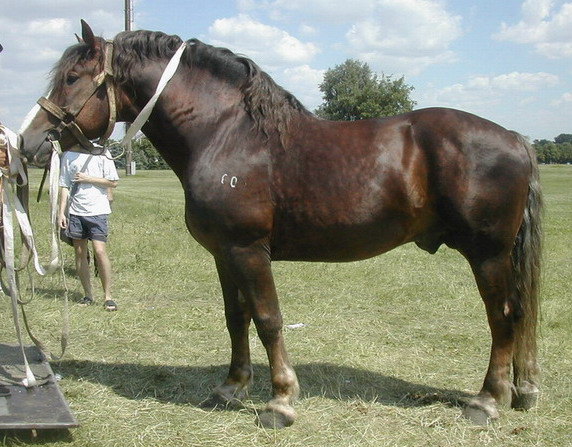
[1,48]
[79,39]
[87,35]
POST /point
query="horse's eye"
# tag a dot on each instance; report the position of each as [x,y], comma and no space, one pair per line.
[71,78]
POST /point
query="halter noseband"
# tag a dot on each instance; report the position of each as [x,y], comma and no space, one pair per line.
[67,115]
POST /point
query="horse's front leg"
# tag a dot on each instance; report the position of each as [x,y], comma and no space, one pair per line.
[250,267]
[238,316]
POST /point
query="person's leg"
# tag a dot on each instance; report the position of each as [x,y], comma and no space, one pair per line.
[104,267]
[82,266]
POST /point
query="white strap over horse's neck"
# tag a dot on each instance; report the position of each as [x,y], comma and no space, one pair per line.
[143,116]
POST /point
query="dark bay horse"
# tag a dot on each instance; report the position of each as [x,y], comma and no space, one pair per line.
[265,179]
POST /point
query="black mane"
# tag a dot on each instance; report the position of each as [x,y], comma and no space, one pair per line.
[270,106]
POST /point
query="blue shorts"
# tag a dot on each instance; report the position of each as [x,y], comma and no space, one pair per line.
[94,228]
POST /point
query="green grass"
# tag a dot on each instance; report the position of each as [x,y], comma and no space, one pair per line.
[389,347]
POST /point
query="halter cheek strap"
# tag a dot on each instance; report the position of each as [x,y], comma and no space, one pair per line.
[67,115]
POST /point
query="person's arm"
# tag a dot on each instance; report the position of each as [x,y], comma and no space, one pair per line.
[110,194]
[82,177]
[62,217]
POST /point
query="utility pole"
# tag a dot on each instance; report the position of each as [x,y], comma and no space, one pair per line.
[128,149]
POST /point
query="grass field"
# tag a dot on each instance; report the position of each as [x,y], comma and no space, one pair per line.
[388,350]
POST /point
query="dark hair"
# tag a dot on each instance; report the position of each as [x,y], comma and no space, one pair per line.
[269,105]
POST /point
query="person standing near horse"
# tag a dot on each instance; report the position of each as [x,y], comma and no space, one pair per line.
[84,214]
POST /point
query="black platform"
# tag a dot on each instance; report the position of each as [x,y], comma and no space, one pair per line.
[40,407]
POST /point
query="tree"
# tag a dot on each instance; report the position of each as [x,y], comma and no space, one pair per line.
[145,155]
[563,138]
[557,151]
[351,91]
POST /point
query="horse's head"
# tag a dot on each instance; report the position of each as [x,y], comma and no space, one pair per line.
[79,107]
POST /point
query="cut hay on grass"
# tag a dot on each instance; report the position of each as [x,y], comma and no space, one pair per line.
[387,351]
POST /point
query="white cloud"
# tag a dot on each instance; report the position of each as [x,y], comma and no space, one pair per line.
[304,81]
[514,81]
[482,91]
[325,11]
[514,100]
[405,36]
[41,27]
[307,30]
[393,36]
[267,45]
[547,29]
[34,35]
[565,98]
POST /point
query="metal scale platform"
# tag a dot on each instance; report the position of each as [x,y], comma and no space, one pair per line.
[38,408]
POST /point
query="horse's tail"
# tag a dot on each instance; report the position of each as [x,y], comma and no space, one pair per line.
[526,260]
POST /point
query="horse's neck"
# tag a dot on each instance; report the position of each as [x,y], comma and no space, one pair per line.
[182,128]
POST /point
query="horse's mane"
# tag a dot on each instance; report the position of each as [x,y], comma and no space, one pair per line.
[270,106]
[72,56]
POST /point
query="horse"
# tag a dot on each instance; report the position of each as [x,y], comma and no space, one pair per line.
[264,179]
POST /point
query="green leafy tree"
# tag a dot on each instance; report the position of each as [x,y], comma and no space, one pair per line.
[351,91]
[557,151]
[144,154]
[563,138]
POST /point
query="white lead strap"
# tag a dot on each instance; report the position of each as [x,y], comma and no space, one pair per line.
[143,116]
[11,206]
[8,206]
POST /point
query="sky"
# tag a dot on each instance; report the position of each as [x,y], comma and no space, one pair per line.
[509,61]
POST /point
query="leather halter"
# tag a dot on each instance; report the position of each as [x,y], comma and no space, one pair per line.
[67,115]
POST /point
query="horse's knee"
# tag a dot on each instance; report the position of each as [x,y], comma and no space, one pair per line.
[269,327]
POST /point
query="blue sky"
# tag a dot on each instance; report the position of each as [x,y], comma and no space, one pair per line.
[509,61]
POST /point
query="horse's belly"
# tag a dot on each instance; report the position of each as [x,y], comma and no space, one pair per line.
[341,243]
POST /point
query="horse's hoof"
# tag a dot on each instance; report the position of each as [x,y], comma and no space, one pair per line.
[217,401]
[481,411]
[525,396]
[277,414]
[273,419]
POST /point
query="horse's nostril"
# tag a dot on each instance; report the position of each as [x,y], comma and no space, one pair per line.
[54,135]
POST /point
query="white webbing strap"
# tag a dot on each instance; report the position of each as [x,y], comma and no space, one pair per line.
[8,196]
[8,230]
[11,206]
[143,116]
[54,195]
[16,168]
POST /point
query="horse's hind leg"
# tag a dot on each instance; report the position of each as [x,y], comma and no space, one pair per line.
[238,318]
[496,286]
[250,269]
